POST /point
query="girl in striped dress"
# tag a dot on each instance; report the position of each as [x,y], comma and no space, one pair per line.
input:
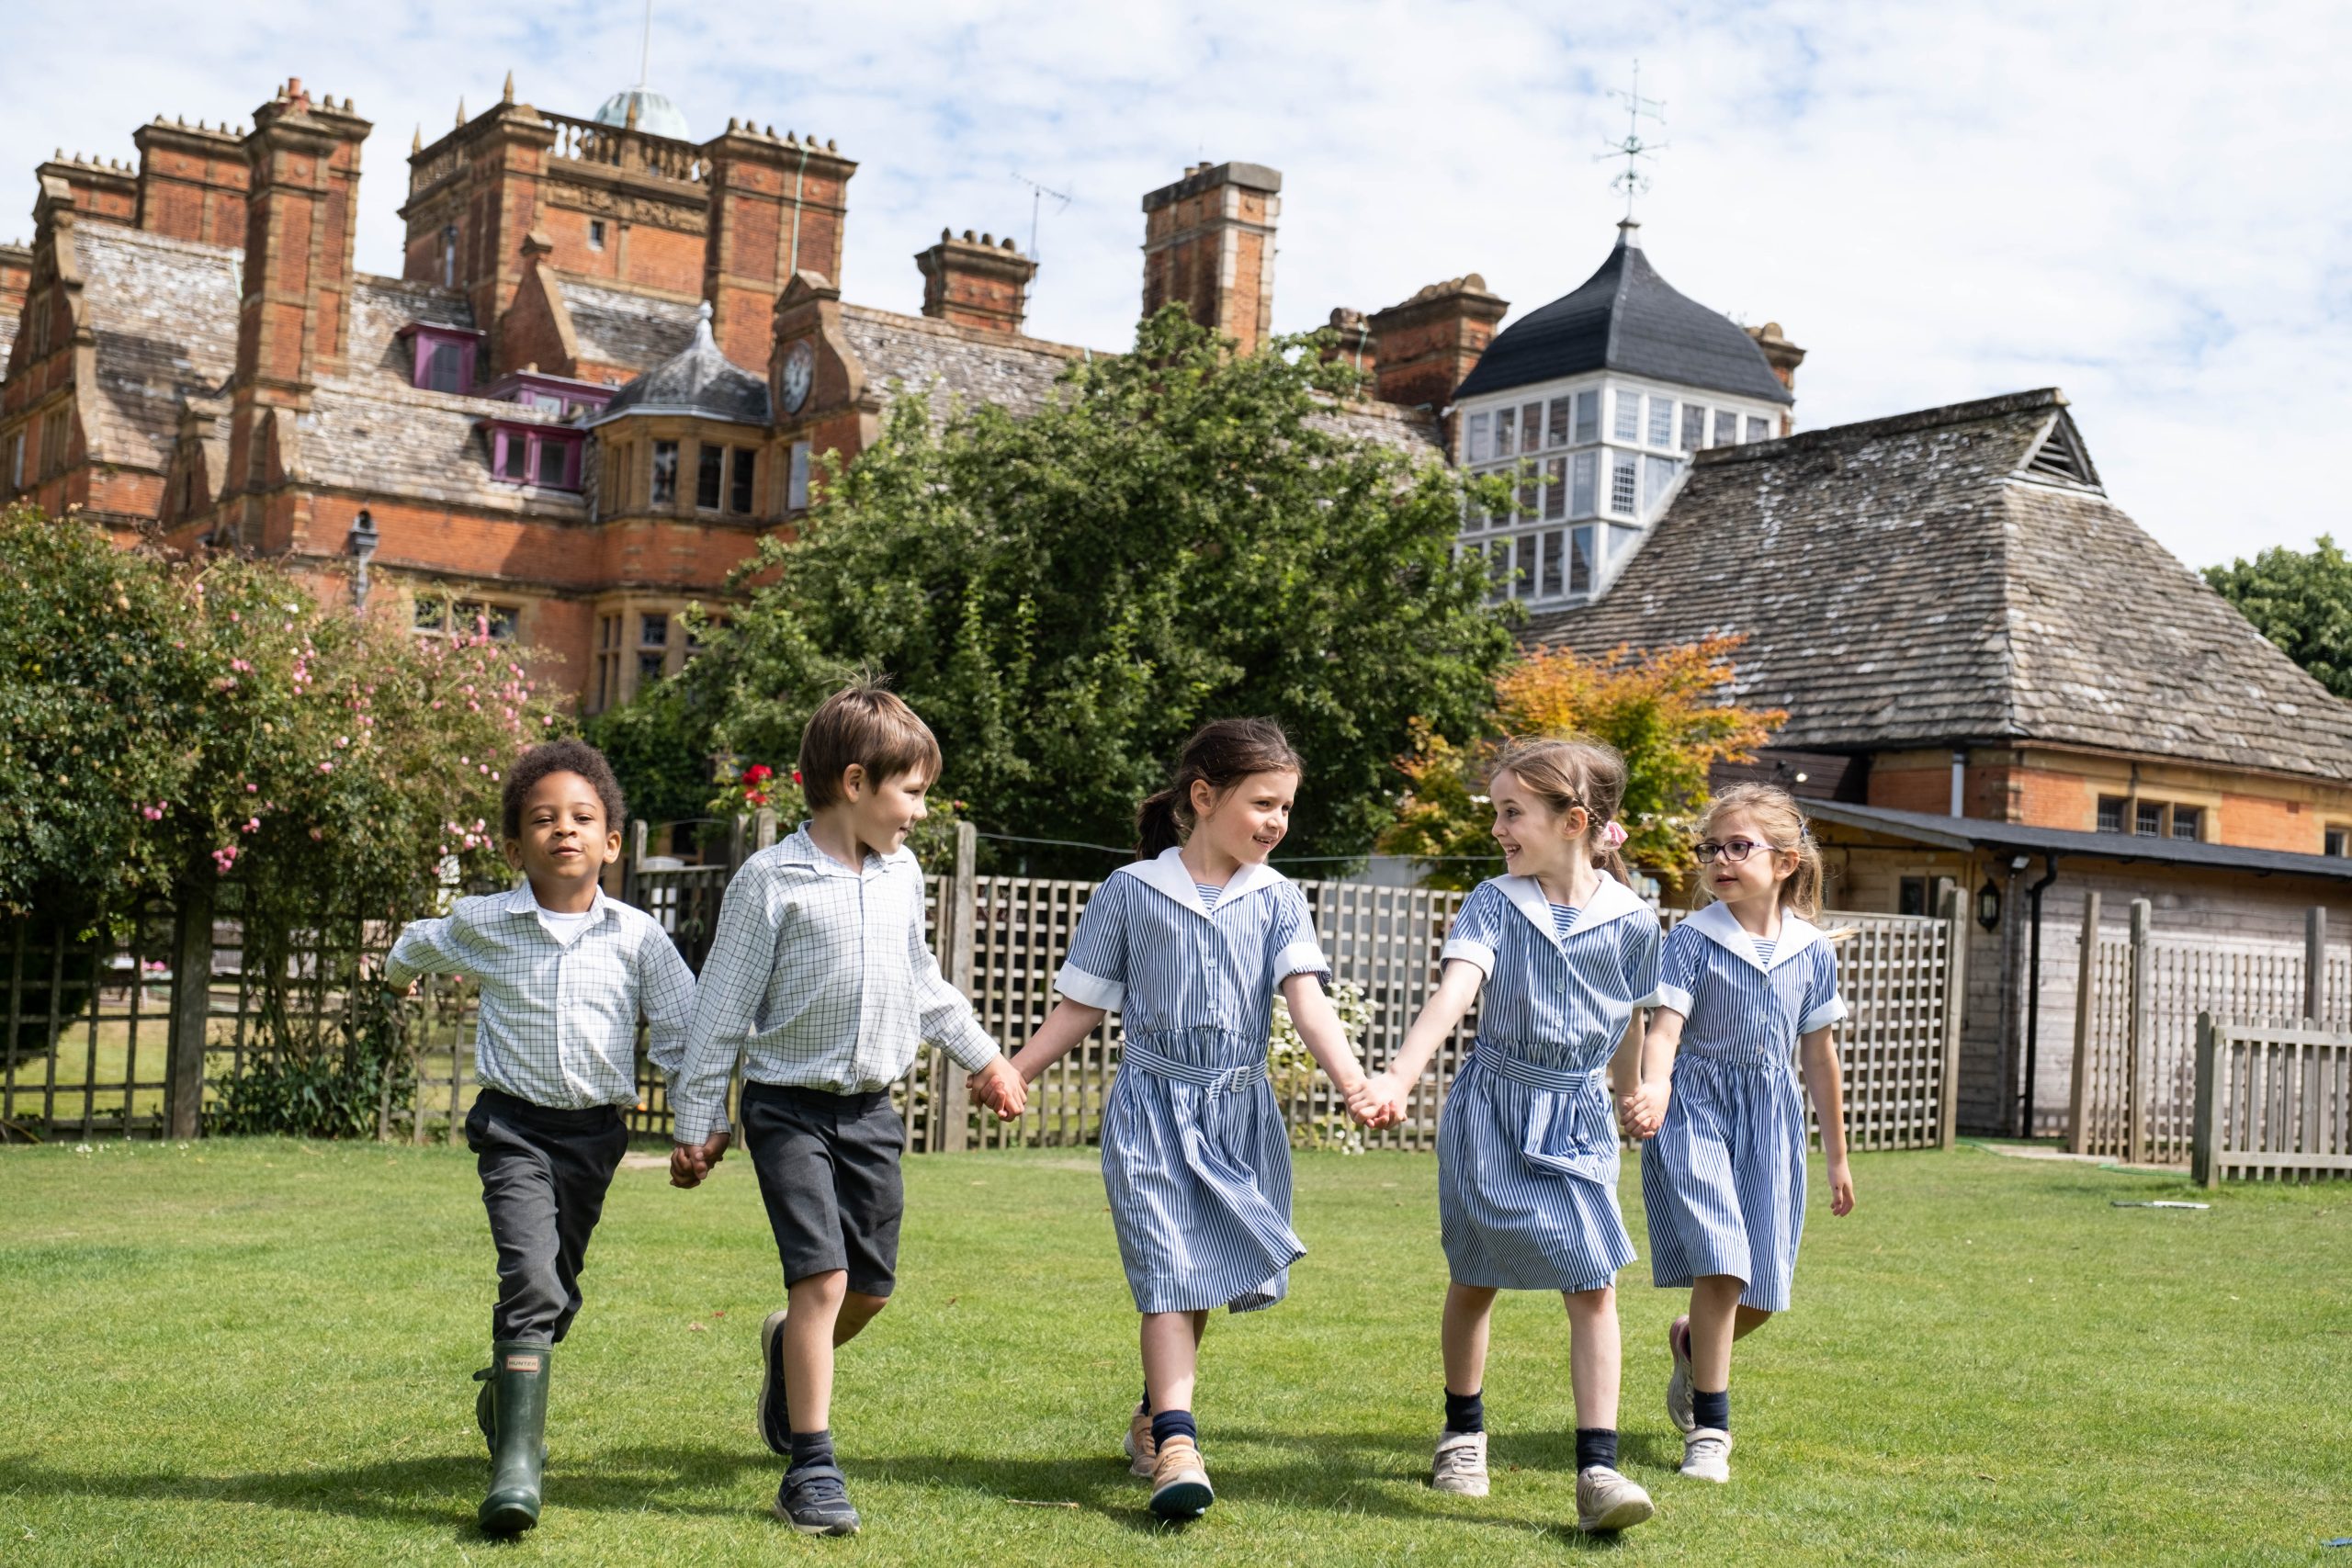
[1744,985]
[1565,955]
[1189,944]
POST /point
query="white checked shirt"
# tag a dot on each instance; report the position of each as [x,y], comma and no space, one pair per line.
[818,978]
[558,1020]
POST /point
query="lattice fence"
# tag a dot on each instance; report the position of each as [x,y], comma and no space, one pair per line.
[2271,1102]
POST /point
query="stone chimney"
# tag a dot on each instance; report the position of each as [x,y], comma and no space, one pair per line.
[1785,357]
[103,192]
[778,205]
[975,283]
[1208,245]
[192,182]
[1424,347]
[294,326]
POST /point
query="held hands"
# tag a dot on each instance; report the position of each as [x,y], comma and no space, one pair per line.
[1841,1189]
[1376,1102]
[1001,1088]
[1641,1112]
[689,1163]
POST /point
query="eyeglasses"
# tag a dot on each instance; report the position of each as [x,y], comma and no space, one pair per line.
[1733,850]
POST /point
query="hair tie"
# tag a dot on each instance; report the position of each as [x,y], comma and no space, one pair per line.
[1612,833]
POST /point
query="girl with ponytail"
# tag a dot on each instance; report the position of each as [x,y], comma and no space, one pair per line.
[1527,1143]
[1745,984]
[1189,944]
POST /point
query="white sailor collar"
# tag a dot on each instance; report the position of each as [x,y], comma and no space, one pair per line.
[520,900]
[1719,925]
[1167,875]
[1610,901]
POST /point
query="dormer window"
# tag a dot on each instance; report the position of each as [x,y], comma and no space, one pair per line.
[444,356]
[547,456]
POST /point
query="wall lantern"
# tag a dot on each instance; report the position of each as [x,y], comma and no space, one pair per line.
[360,545]
[1988,905]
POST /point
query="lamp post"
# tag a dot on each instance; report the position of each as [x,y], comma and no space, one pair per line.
[360,545]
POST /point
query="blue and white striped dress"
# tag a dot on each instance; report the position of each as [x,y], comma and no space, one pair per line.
[1724,1179]
[1195,1156]
[1527,1143]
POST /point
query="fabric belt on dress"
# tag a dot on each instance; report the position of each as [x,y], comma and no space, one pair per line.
[1557,1081]
[1217,1079]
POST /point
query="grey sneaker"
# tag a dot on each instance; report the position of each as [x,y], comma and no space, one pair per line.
[1678,1387]
[775,1425]
[1607,1502]
[814,1500]
[1138,1444]
[1706,1455]
[1459,1466]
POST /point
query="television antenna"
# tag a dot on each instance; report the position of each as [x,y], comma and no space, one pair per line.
[1037,194]
[1632,149]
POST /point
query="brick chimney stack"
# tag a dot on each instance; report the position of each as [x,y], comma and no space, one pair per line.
[192,182]
[294,327]
[1785,357]
[1425,346]
[975,283]
[778,205]
[1208,245]
[103,192]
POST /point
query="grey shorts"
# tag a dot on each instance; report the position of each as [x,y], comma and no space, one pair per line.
[828,1173]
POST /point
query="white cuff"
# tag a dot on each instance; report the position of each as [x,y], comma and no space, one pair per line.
[1653,999]
[970,1047]
[1091,990]
[1673,998]
[1304,957]
[1476,954]
[1829,1013]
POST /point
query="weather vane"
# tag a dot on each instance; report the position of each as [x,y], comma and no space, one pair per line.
[1632,149]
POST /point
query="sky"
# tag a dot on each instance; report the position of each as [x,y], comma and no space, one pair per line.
[2146,205]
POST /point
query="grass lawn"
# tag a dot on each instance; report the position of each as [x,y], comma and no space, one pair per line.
[258,1352]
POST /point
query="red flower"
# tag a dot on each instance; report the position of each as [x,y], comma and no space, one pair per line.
[796,775]
[758,773]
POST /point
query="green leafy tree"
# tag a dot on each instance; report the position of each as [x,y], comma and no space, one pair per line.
[1179,534]
[2303,603]
[661,751]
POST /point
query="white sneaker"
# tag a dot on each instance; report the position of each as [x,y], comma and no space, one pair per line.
[1459,1466]
[1606,1501]
[1678,1387]
[1706,1454]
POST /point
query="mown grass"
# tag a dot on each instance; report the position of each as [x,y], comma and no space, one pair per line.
[258,1352]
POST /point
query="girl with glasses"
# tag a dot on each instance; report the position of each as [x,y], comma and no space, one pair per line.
[1744,985]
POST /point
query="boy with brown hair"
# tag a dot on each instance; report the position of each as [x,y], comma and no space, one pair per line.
[820,984]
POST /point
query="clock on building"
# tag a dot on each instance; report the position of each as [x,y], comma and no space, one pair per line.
[799,370]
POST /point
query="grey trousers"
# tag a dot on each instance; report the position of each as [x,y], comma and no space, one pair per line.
[544,1172]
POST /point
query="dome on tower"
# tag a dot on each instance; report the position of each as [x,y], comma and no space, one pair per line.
[655,115]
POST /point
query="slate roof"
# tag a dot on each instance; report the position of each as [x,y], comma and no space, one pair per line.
[615,327]
[368,433]
[163,315]
[1626,317]
[698,380]
[380,307]
[1977,832]
[1903,582]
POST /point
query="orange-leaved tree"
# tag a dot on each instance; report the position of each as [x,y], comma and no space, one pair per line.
[1665,709]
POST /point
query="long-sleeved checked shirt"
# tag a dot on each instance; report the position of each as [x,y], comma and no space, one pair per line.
[559,1021]
[819,976]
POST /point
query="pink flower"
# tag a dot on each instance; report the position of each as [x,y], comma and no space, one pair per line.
[253,825]
[317,833]
[240,666]
[326,767]
[343,740]
[252,789]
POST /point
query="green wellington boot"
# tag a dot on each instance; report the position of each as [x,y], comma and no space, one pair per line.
[485,1417]
[518,1404]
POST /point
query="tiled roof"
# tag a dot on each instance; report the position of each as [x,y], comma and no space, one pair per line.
[1413,431]
[380,307]
[615,327]
[1904,583]
[372,434]
[1626,317]
[698,380]
[163,313]
[952,365]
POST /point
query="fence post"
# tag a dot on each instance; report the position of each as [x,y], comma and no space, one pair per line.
[2078,1135]
[762,827]
[2204,1146]
[738,831]
[963,901]
[634,861]
[191,1005]
[2136,1074]
[2314,964]
[1953,908]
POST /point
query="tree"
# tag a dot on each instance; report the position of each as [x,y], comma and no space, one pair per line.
[1663,710]
[1179,534]
[2301,602]
[661,748]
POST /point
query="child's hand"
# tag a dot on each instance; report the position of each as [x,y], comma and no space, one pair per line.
[1000,1088]
[683,1171]
[1841,1189]
[1644,1111]
[1385,1098]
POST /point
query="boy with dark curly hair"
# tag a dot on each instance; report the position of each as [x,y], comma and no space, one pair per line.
[565,973]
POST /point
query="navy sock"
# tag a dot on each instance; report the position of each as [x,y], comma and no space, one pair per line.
[1466,1412]
[1712,1409]
[1596,1445]
[1174,1424]
[812,1448]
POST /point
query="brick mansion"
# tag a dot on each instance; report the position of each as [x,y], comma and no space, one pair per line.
[614,352]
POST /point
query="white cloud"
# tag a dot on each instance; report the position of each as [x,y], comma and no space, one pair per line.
[2143,205]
